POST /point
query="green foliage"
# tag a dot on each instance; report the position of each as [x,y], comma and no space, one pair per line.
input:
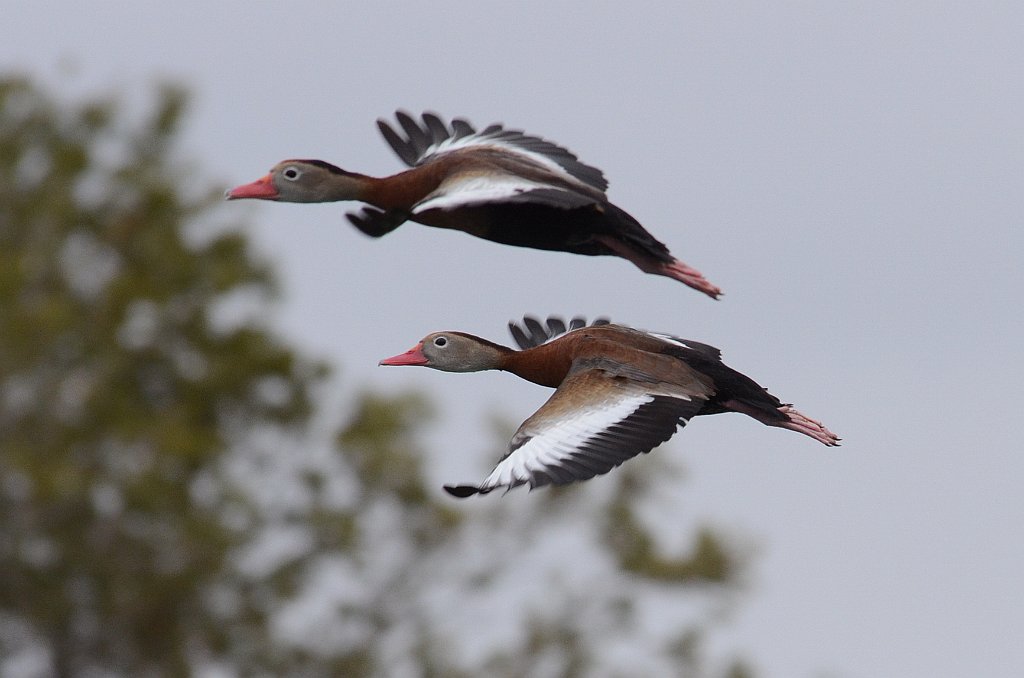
[637,552]
[379,442]
[117,393]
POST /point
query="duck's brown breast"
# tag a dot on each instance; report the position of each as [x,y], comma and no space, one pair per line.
[547,364]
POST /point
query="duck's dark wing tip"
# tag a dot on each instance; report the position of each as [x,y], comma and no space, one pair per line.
[419,139]
[530,332]
[463,491]
[403,148]
[376,222]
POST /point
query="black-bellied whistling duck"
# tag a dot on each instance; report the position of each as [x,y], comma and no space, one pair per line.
[619,392]
[498,184]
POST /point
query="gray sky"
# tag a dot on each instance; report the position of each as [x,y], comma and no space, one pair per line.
[850,174]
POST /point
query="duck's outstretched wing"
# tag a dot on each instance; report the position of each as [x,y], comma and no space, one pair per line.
[530,332]
[423,142]
[592,423]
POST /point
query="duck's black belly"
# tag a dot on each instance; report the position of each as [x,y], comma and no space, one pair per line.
[546,227]
[526,225]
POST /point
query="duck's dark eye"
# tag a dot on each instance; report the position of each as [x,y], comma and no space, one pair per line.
[291,173]
[440,342]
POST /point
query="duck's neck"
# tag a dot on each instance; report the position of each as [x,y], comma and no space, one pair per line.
[546,365]
[400,191]
[338,187]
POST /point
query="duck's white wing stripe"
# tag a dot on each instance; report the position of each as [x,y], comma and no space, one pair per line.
[486,141]
[539,457]
[499,190]
[462,191]
[706,349]
[561,447]
[667,338]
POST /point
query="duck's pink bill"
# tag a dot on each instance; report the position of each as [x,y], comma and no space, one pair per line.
[263,188]
[414,356]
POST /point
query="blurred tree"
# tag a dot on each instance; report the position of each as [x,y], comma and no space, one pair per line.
[118,391]
[166,508]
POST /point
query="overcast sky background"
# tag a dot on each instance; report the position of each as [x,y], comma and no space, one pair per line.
[850,174]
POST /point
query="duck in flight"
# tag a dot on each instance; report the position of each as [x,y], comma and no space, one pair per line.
[619,392]
[498,184]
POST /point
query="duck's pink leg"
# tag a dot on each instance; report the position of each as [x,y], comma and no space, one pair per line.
[801,423]
[687,275]
[674,269]
[794,421]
